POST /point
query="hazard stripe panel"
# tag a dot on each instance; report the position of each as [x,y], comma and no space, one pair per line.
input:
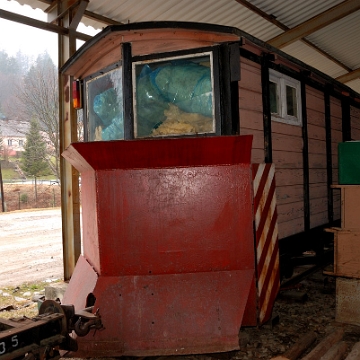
[266,239]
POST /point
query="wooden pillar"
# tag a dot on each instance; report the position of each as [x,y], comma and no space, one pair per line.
[70,200]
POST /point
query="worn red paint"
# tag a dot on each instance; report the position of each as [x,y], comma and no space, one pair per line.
[168,242]
[67,93]
[266,239]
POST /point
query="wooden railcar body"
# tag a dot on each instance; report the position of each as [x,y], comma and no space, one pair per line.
[306,165]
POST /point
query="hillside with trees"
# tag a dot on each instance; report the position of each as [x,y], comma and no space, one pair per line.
[29,91]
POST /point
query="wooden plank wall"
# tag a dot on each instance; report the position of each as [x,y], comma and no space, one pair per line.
[288,159]
[355,123]
[287,151]
[288,164]
[317,157]
[336,137]
[251,109]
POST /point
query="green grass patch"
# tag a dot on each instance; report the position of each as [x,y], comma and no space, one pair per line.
[9,174]
[17,301]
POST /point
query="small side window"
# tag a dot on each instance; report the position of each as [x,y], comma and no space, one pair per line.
[285,99]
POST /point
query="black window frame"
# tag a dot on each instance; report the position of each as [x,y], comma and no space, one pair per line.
[84,95]
[225,105]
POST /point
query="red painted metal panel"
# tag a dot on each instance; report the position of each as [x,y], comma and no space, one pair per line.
[83,282]
[266,235]
[174,245]
[135,154]
[175,220]
[250,317]
[169,314]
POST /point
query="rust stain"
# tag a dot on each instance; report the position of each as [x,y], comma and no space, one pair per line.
[67,93]
[65,79]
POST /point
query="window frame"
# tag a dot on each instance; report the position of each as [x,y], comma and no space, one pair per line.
[182,55]
[282,81]
[223,76]
[85,109]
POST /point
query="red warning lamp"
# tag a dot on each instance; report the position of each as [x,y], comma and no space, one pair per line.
[76,92]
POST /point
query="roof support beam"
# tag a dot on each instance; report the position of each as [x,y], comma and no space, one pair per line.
[282,26]
[91,15]
[103,19]
[317,22]
[7,15]
[352,75]
[60,8]
[54,14]
[78,14]
[263,14]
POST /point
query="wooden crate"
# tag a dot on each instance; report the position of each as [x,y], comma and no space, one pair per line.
[347,301]
[346,252]
[350,206]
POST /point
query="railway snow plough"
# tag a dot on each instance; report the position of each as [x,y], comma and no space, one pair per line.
[180,246]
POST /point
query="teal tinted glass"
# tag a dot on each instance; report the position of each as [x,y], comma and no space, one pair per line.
[105,107]
[174,97]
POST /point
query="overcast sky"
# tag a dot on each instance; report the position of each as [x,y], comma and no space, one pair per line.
[16,37]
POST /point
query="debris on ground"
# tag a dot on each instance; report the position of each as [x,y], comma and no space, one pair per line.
[302,327]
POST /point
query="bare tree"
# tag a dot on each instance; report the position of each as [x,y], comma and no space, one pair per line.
[38,98]
[12,71]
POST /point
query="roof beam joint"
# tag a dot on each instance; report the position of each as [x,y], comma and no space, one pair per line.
[315,23]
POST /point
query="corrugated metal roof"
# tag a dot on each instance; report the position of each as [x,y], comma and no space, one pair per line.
[340,39]
[308,55]
[223,12]
[293,13]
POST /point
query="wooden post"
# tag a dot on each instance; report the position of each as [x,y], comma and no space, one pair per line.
[336,352]
[325,345]
[298,348]
[355,352]
[70,206]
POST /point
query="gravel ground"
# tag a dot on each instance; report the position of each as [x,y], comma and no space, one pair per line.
[313,310]
[31,251]
[30,246]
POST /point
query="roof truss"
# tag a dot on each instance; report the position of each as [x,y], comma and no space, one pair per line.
[317,22]
[282,26]
[58,8]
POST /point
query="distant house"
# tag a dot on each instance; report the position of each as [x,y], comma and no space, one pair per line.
[13,133]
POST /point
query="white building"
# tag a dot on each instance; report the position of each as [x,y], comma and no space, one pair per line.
[13,133]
